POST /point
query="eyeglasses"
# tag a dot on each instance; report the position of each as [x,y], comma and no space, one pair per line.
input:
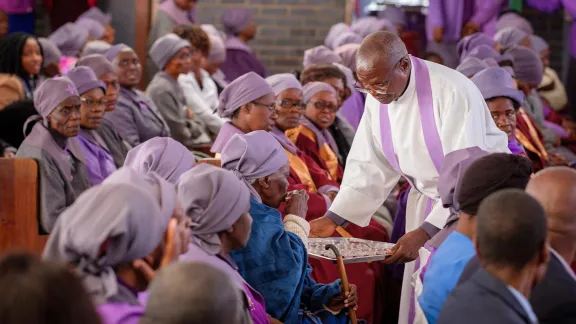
[94,103]
[321,105]
[287,104]
[361,88]
[271,107]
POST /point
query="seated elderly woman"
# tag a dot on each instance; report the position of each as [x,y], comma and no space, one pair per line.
[136,117]
[220,224]
[290,293]
[172,55]
[249,103]
[163,156]
[99,161]
[104,71]
[52,142]
[116,235]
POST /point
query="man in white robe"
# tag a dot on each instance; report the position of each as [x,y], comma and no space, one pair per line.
[416,112]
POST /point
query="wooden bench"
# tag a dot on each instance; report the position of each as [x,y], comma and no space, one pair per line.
[19,206]
[215,162]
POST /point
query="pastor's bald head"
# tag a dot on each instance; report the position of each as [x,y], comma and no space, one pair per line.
[380,49]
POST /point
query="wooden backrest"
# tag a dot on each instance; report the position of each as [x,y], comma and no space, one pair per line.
[19,206]
[215,162]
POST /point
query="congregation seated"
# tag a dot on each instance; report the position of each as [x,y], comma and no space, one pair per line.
[30,288]
[185,293]
[104,19]
[104,71]
[136,117]
[52,142]
[291,295]
[172,56]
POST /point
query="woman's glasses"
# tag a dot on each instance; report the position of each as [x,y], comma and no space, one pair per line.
[287,104]
[321,105]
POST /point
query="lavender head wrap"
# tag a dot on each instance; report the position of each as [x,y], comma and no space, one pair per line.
[124,220]
[236,20]
[214,199]
[509,36]
[94,28]
[51,93]
[95,47]
[212,30]
[512,19]
[241,91]
[252,156]
[98,63]
[497,82]
[470,42]
[349,75]
[471,65]
[368,25]
[346,38]
[283,81]
[217,49]
[393,14]
[312,88]
[539,44]
[70,38]
[51,53]
[334,32]
[320,55]
[165,47]
[113,51]
[348,55]
[85,80]
[527,64]
[482,52]
[96,14]
[163,156]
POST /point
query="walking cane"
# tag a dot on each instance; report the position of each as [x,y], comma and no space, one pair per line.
[344,277]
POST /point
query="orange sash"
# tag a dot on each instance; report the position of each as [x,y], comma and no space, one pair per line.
[301,170]
[521,137]
[326,153]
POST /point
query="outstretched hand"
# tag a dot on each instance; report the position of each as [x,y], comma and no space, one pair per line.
[406,249]
[322,227]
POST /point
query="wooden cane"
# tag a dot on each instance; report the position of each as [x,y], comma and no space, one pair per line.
[344,277]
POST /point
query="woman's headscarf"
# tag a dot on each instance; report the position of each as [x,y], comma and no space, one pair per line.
[528,66]
[98,63]
[482,52]
[51,53]
[539,44]
[320,55]
[471,65]
[51,93]
[252,156]
[368,25]
[509,36]
[312,88]
[348,55]
[393,14]
[214,199]
[108,225]
[95,28]
[513,19]
[70,38]
[236,20]
[113,51]
[334,32]
[346,38]
[283,81]
[165,47]
[85,80]
[95,47]
[217,49]
[241,91]
[162,156]
[497,82]
[98,15]
[470,42]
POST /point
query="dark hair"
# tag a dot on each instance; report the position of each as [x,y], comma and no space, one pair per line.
[511,229]
[514,103]
[509,63]
[11,55]
[42,292]
[197,37]
[321,72]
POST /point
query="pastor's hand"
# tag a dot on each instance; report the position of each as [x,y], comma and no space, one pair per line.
[406,249]
[322,227]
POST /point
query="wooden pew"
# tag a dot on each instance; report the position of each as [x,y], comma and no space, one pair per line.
[20,205]
[215,162]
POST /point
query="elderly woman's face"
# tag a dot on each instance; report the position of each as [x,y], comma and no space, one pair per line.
[93,108]
[261,113]
[112,89]
[504,115]
[181,62]
[31,57]
[128,68]
[273,190]
[289,109]
[65,119]
[322,109]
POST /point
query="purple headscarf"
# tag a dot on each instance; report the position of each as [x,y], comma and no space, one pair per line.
[312,88]
[483,52]
[214,199]
[453,168]
[349,75]
[96,14]
[217,49]
[241,91]
[50,52]
[393,14]
[320,55]
[95,47]
[165,47]
[509,36]
[181,17]
[51,93]
[346,38]
[470,42]
[334,32]
[252,156]
[368,25]
[113,51]
[126,220]
[70,38]
[94,28]
[348,55]
[512,19]
[527,64]
[85,80]
[98,63]
[283,81]
[162,156]
[496,82]
[539,44]
[236,20]
[471,65]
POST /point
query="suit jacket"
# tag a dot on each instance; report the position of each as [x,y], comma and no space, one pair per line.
[483,299]
[554,299]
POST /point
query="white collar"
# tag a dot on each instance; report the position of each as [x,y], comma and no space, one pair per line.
[524,303]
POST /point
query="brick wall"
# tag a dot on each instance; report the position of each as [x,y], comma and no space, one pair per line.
[285,27]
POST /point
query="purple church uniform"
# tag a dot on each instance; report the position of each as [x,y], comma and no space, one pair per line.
[21,17]
[70,39]
[348,55]
[320,55]
[353,108]
[470,42]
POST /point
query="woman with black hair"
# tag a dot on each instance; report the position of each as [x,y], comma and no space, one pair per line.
[21,56]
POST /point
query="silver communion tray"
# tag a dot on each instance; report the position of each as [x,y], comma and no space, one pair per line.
[353,250]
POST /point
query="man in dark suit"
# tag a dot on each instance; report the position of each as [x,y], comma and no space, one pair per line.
[511,246]
[554,299]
